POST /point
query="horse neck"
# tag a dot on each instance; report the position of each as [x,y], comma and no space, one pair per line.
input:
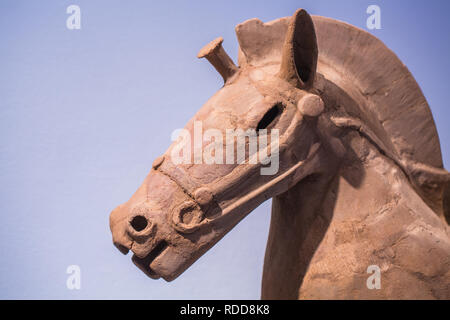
[364,185]
[367,200]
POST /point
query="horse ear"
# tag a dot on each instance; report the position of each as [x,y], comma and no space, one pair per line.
[299,54]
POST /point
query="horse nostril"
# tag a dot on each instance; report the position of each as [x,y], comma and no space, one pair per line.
[139,223]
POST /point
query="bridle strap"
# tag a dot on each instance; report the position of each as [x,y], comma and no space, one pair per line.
[295,173]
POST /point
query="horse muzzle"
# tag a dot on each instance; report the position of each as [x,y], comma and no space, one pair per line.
[146,228]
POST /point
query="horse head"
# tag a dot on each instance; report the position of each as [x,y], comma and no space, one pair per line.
[184,207]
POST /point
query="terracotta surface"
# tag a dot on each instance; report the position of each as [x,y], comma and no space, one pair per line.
[360,180]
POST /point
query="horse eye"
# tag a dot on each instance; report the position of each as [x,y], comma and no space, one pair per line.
[269,117]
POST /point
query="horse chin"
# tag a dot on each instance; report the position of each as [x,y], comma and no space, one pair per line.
[145,263]
[162,262]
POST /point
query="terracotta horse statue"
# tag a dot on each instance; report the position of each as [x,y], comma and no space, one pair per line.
[360,180]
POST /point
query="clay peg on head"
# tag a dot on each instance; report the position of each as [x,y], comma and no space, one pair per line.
[217,56]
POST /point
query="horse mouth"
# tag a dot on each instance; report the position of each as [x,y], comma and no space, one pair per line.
[144,263]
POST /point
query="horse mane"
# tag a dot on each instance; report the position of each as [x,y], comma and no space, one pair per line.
[391,108]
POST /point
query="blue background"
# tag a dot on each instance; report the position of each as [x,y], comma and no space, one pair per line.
[83,113]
